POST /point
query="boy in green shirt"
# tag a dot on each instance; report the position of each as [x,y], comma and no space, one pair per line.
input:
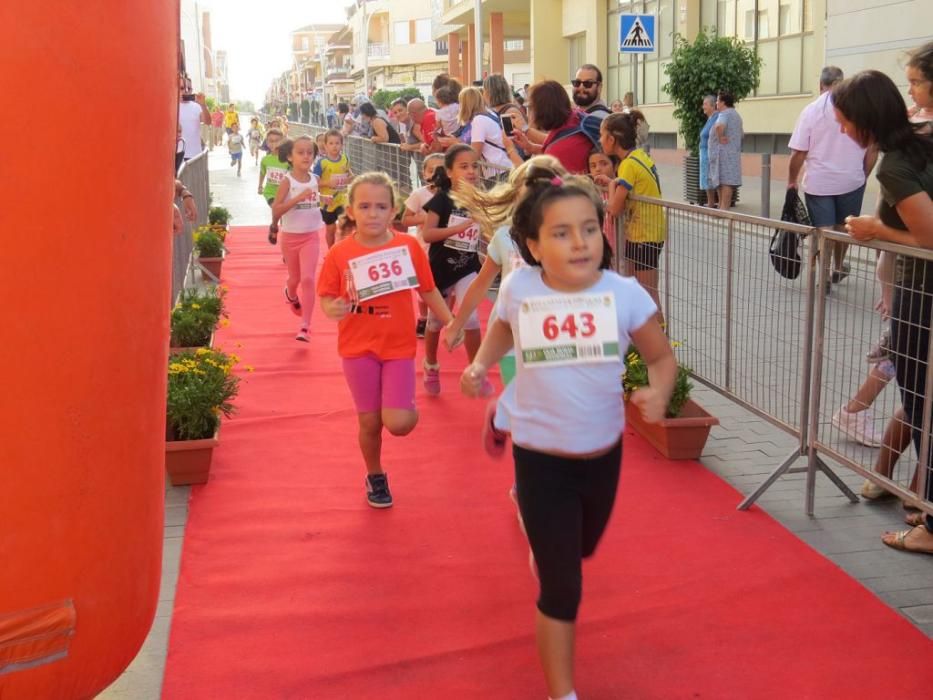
[272,171]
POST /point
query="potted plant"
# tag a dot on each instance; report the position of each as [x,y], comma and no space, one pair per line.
[218,219]
[201,388]
[709,64]
[209,249]
[683,432]
[195,316]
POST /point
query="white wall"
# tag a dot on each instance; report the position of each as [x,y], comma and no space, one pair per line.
[190,34]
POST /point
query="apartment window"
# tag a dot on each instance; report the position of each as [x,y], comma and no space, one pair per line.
[781,33]
[305,43]
[423,31]
[401,33]
[514,44]
[620,76]
[577,52]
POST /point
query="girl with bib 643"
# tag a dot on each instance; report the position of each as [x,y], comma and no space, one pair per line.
[570,320]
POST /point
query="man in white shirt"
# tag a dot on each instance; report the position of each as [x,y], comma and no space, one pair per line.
[192,112]
[837,167]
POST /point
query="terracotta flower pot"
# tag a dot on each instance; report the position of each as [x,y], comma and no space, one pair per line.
[189,461]
[676,438]
[178,350]
[212,265]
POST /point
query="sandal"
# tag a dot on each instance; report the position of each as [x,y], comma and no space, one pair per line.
[914,518]
[900,541]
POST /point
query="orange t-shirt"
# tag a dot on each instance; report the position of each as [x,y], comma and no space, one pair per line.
[384,326]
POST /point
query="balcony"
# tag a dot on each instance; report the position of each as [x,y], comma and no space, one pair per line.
[378,49]
[440,47]
[336,71]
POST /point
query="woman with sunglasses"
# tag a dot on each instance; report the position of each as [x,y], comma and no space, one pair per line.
[550,111]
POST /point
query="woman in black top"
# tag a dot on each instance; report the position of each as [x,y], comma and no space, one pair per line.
[383,131]
[871,111]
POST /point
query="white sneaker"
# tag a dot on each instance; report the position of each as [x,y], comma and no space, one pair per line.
[859,426]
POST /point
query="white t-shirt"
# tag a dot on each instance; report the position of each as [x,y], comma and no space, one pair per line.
[418,198]
[449,118]
[835,163]
[486,131]
[304,217]
[189,118]
[574,409]
[504,251]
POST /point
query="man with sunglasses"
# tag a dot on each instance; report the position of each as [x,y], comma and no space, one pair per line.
[587,84]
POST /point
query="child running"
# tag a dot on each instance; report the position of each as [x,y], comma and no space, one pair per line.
[255,137]
[454,238]
[366,284]
[333,171]
[298,204]
[414,217]
[493,211]
[271,172]
[570,320]
[235,147]
[644,223]
[602,172]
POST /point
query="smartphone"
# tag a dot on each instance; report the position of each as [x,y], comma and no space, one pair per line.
[507,125]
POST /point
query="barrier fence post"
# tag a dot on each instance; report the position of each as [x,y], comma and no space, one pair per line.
[766,185]
[730,269]
[923,462]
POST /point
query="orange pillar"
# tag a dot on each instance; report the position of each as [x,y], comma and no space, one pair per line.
[469,56]
[496,44]
[86,278]
[453,55]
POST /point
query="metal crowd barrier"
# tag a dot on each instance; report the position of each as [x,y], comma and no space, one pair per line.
[194,175]
[783,349]
[788,350]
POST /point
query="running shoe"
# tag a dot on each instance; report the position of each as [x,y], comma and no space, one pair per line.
[420,327]
[377,491]
[294,303]
[493,439]
[302,335]
[858,426]
[881,350]
[432,379]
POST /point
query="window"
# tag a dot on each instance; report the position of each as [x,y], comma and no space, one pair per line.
[423,31]
[514,44]
[577,52]
[305,43]
[401,33]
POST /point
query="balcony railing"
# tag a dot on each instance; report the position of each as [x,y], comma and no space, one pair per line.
[378,49]
[440,47]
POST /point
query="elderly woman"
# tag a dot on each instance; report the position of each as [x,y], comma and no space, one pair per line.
[725,150]
[549,110]
[709,109]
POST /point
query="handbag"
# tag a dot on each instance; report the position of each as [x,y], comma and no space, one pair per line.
[785,245]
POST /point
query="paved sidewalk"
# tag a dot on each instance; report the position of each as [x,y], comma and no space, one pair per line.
[743,450]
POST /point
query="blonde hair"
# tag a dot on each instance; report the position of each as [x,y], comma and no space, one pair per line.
[494,208]
[374,178]
[471,103]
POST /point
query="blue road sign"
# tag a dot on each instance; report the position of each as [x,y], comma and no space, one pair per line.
[636,34]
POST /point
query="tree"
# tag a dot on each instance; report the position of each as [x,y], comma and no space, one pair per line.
[383,99]
[711,63]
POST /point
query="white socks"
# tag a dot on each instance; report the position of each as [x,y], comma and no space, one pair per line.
[572,695]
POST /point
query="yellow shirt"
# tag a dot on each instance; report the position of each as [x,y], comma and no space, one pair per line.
[230,118]
[337,173]
[644,223]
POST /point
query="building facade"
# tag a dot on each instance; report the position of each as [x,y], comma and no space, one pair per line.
[795,39]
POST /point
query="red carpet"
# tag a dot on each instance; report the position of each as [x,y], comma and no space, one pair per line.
[292,587]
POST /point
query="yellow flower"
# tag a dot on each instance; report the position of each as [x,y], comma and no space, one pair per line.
[224,322]
[202,351]
[250,368]
[195,306]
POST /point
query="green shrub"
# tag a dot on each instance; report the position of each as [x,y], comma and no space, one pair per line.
[218,215]
[208,243]
[196,315]
[201,388]
[711,63]
[383,99]
[636,376]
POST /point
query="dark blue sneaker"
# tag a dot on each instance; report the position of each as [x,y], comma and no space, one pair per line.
[377,491]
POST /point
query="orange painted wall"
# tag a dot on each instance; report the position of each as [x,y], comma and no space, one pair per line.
[85,233]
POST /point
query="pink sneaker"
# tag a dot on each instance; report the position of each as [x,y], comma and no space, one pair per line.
[493,439]
[302,335]
[432,379]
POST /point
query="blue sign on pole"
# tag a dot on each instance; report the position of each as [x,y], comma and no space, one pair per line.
[636,34]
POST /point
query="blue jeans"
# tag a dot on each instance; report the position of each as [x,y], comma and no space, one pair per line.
[831,210]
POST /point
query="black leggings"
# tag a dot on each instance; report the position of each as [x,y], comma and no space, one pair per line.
[910,338]
[565,504]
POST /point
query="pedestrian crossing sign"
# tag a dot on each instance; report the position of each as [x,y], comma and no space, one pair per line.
[636,33]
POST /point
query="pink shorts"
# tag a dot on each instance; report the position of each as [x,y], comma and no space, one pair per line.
[377,384]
